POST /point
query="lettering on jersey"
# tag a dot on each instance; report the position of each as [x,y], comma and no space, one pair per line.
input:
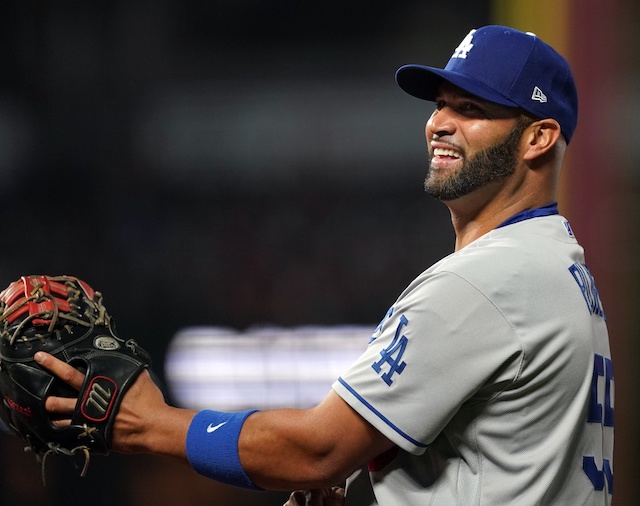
[601,413]
[587,284]
[392,354]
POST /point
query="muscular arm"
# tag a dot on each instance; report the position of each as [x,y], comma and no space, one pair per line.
[279,449]
[288,449]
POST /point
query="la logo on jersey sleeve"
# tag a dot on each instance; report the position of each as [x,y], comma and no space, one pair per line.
[391,361]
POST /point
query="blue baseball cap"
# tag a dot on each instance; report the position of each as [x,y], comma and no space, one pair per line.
[507,67]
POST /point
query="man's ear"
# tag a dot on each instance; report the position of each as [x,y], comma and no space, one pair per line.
[540,137]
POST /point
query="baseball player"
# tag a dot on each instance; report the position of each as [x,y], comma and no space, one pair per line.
[489,380]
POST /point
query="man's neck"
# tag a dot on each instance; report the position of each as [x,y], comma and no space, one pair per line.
[471,222]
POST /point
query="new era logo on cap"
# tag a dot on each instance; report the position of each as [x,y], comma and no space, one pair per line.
[507,67]
[538,95]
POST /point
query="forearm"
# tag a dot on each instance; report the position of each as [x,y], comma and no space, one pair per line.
[163,434]
[276,450]
[284,449]
[291,449]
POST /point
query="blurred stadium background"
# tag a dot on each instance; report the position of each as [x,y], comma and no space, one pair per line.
[251,166]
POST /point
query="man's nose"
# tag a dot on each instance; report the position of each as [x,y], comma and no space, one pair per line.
[440,123]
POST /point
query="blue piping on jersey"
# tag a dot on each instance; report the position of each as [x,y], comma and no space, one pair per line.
[527,214]
[381,416]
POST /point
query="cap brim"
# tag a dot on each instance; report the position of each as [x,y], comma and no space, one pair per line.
[424,82]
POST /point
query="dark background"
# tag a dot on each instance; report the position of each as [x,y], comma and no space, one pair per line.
[219,163]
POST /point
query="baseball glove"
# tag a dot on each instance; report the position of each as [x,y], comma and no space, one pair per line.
[65,317]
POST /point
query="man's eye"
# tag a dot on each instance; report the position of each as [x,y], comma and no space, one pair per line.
[469,106]
[472,109]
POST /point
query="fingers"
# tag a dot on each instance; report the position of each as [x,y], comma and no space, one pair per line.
[318,497]
[295,499]
[60,408]
[62,370]
[59,405]
[336,497]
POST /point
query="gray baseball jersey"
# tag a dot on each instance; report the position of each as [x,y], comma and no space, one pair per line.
[492,374]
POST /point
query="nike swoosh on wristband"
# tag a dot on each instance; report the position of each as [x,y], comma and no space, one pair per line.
[213,428]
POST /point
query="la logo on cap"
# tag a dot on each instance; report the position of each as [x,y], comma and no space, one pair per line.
[465,46]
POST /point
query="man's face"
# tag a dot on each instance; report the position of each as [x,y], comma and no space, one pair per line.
[471,143]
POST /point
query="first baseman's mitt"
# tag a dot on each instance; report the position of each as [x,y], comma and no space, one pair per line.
[63,316]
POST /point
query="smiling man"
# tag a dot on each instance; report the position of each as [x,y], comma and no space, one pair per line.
[489,379]
[471,171]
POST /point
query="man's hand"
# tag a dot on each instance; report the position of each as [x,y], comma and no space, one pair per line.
[282,449]
[319,497]
[61,407]
[144,422]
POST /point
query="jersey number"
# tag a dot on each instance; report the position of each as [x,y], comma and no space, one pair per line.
[392,354]
[597,476]
[603,415]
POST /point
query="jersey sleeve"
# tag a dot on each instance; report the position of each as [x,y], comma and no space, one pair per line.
[442,344]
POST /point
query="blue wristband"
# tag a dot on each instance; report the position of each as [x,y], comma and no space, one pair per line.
[212,447]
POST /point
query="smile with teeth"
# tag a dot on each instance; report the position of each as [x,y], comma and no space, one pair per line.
[446,152]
